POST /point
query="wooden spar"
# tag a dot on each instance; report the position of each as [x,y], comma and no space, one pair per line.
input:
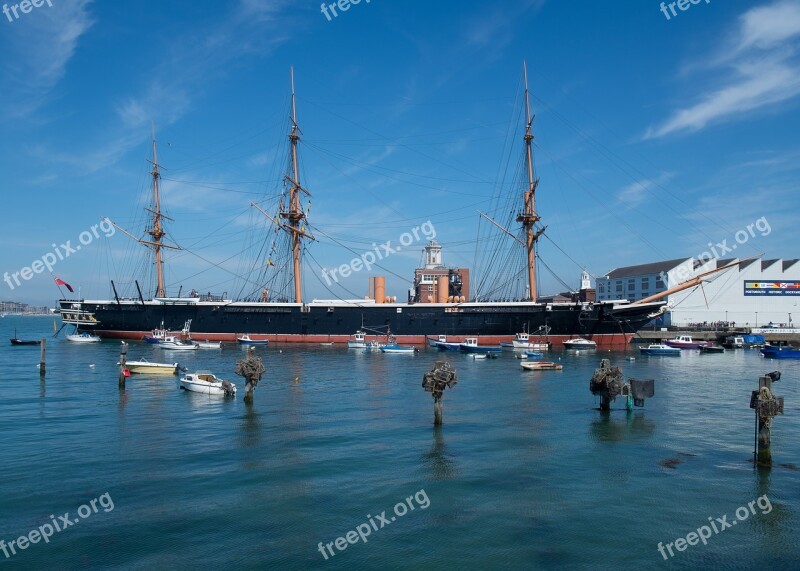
[158,229]
[528,216]
[489,218]
[157,232]
[695,281]
[295,214]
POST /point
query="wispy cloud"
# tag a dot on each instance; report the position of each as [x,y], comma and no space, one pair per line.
[637,192]
[37,50]
[759,68]
[174,84]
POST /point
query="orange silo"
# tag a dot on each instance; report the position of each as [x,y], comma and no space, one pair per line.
[380,289]
[442,289]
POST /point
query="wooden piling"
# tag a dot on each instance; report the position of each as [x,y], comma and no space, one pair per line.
[122,361]
[42,364]
[766,405]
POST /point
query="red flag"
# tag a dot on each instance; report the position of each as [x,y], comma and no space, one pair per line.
[61,282]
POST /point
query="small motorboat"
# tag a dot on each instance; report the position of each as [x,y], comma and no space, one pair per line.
[523,341]
[157,335]
[16,341]
[207,383]
[246,340]
[328,344]
[780,352]
[146,367]
[712,349]
[541,366]
[448,346]
[733,342]
[174,344]
[395,348]
[580,343]
[359,341]
[659,349]
[470,345]
[686,342]
[208,344]
[83,337]
[432,342]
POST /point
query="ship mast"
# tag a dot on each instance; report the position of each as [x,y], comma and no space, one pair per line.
[157,233]
[528,216]
[295,214]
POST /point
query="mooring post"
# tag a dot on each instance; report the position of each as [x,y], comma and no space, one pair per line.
[42,364]
[251,368]
[435,381]
[766,406]
[123,353]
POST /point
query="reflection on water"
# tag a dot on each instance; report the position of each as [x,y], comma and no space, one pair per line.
[619,426]
[439,464]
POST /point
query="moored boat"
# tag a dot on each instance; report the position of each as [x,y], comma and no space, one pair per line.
[16,341]
[780,352]
[712,349]
[733,342]
[247,340]
[358,341]
[208,344]
[580,343]
[172,343]
[83,337]
[395,348]
[541,366]
[144,366]
[659,349]
[470,345]
[686,342]
[206,382]
[284,315]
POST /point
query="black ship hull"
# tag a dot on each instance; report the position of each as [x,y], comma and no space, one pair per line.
[606,323]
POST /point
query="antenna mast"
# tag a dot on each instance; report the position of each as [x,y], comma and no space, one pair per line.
[528,216]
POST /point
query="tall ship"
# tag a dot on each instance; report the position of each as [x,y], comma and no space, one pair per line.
[442,307]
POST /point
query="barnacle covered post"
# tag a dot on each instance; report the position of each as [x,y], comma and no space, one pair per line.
[251,368]
[435,382]
[766,406]
[609,383]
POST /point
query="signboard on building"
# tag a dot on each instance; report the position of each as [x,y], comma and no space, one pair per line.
[771,288]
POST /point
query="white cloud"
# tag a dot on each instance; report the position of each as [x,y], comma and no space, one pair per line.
[759,68]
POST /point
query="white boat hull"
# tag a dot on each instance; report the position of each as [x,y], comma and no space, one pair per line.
[83,338]
[145,367]
[196,383]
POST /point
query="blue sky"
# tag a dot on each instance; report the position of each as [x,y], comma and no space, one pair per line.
[654,137]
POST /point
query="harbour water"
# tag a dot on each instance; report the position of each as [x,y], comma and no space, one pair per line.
[525,473]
